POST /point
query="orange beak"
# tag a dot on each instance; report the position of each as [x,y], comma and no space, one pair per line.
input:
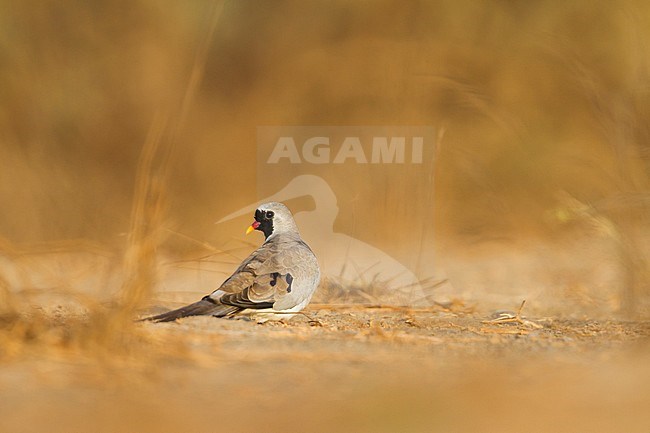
[252,227]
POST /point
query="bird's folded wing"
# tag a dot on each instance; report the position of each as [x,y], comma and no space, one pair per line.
[265,276]
[265,290]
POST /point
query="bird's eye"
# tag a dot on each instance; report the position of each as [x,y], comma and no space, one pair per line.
[269,214]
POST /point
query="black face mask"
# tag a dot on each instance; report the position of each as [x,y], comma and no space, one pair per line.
[265,218]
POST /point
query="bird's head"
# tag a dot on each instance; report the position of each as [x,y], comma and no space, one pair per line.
[273,218]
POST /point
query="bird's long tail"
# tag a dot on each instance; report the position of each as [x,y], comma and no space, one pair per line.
[202,308]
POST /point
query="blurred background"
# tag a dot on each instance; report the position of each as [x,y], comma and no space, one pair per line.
[541,179]
[128,128]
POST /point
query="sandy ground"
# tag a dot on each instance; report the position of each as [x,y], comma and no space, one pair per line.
[336,368]
[566,362]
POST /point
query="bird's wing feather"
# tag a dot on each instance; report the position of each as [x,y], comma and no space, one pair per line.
[243,300]
[245,275]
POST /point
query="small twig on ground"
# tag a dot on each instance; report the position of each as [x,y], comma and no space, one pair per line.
[311,321]
[506,318]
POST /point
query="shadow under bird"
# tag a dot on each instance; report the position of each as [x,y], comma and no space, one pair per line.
[279,278]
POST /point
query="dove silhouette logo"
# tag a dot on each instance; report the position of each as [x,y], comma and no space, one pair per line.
[344,260]
[319,150]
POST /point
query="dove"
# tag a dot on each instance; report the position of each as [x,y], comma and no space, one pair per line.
[277,279]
